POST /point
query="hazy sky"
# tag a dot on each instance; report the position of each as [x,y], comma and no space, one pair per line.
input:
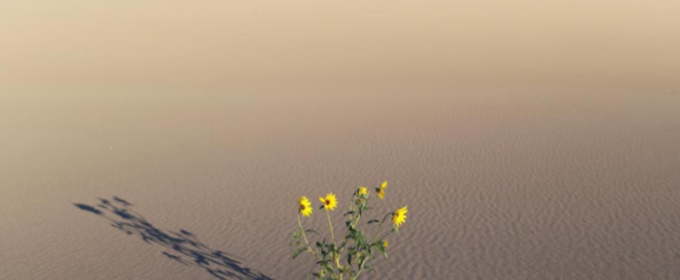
[106,44]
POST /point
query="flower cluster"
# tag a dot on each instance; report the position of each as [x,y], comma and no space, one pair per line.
[356,247]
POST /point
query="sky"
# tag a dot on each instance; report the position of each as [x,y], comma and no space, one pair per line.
[268,45]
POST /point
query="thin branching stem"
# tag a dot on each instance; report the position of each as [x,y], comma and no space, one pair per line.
[330,224]
[304,236]
[380,226]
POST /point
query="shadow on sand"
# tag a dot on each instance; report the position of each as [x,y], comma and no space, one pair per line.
[182,247]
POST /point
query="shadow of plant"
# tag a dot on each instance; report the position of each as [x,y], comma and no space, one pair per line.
[183,246]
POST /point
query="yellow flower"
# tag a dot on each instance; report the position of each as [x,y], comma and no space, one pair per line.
[386,244]
[399,217]
[329,203]
[362,191]
[381,190]
[304,206]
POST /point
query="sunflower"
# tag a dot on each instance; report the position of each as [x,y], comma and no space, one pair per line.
[362,191]
[386,244]
[399,217]
[304,206]
[381,190]
[330,202]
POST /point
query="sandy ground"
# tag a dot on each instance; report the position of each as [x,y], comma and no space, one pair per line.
[529,141]
[499,186]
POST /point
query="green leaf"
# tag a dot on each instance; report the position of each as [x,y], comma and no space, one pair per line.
[362,262]
[373,221]
[295,237]
[325,266]
[348,213]
[369,267]
[381,247]
[298,252]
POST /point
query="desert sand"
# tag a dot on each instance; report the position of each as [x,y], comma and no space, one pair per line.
[168,140]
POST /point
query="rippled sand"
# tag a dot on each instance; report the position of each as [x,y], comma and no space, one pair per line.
[499,186]
[169,142]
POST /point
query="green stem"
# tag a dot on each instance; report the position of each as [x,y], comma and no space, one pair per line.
[328,215]
[356,217]
[386,234]
[380,226]
[334,256]
[358,272]
[377,232]
[302,230]
[309,249]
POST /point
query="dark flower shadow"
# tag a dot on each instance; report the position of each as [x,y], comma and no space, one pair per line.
[182,247]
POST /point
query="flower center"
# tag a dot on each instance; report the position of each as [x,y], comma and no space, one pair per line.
[328,202]
[302,207]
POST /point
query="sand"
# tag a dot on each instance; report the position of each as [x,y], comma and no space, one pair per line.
[529,141]
[498,186]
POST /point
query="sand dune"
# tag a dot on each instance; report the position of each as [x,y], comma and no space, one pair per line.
[171,140]
[498,186]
